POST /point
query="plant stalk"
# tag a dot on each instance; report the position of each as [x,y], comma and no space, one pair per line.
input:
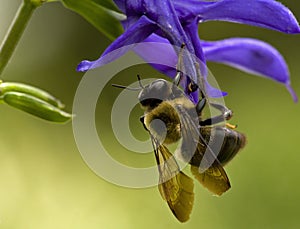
[15,32]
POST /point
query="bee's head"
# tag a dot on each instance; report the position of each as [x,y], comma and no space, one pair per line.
[154,93]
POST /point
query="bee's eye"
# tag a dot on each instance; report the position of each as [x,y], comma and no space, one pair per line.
[150,102]
[144,102]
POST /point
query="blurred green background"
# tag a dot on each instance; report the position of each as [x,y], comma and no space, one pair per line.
[46,184]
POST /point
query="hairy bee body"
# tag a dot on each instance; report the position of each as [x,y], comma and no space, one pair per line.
[170,116]
[169,125]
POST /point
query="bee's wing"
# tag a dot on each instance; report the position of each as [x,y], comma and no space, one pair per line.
[175,187]
[189,128]
[213,176]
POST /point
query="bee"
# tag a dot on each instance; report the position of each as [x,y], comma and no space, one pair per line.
[182,119]
[170,116]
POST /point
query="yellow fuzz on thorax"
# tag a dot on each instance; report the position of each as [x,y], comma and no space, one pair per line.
[167,130]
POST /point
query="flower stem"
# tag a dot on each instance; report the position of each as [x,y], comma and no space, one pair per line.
[15,32]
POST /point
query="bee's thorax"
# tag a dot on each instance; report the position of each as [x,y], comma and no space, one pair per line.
[163,122]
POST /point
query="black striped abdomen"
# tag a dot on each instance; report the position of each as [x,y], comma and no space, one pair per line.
[225,144]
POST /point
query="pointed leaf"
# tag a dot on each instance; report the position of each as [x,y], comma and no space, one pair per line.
[105,20]
[108,4]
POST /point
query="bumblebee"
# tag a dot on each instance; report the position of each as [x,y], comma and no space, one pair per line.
[207,146]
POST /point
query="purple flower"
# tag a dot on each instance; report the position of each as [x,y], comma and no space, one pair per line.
[176,22]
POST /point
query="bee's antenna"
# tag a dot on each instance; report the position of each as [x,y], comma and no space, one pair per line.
[140,83]
[127,88]
[131,88]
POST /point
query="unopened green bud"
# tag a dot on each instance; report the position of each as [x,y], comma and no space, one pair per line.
[35,106]
[30,90]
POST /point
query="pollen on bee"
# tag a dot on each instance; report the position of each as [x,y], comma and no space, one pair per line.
[231,126]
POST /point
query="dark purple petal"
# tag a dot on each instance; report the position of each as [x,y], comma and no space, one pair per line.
[164,14]
[192,33]
[156,50]
[250,55]
[136,33]
[120,4]
[264,13]
[214,92]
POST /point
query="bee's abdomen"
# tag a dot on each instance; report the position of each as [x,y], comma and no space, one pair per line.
[225,144]
[163,123]
[233,142]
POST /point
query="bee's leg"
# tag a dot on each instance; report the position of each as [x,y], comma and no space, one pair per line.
[180,56]
[179,66]
[226,112]
[177,78]
[200,105]
[226,115]
[192,86]
[213,120]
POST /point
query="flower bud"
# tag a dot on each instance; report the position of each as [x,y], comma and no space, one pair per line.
[35,106]
[30,90]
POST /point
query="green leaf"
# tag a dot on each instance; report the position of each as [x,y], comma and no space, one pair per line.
[101,16]
[107,4]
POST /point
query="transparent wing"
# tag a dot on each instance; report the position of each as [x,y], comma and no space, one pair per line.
[214,178]
[175,187]
[189,127]
[212,175]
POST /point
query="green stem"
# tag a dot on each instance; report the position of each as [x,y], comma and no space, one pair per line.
[15,32]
